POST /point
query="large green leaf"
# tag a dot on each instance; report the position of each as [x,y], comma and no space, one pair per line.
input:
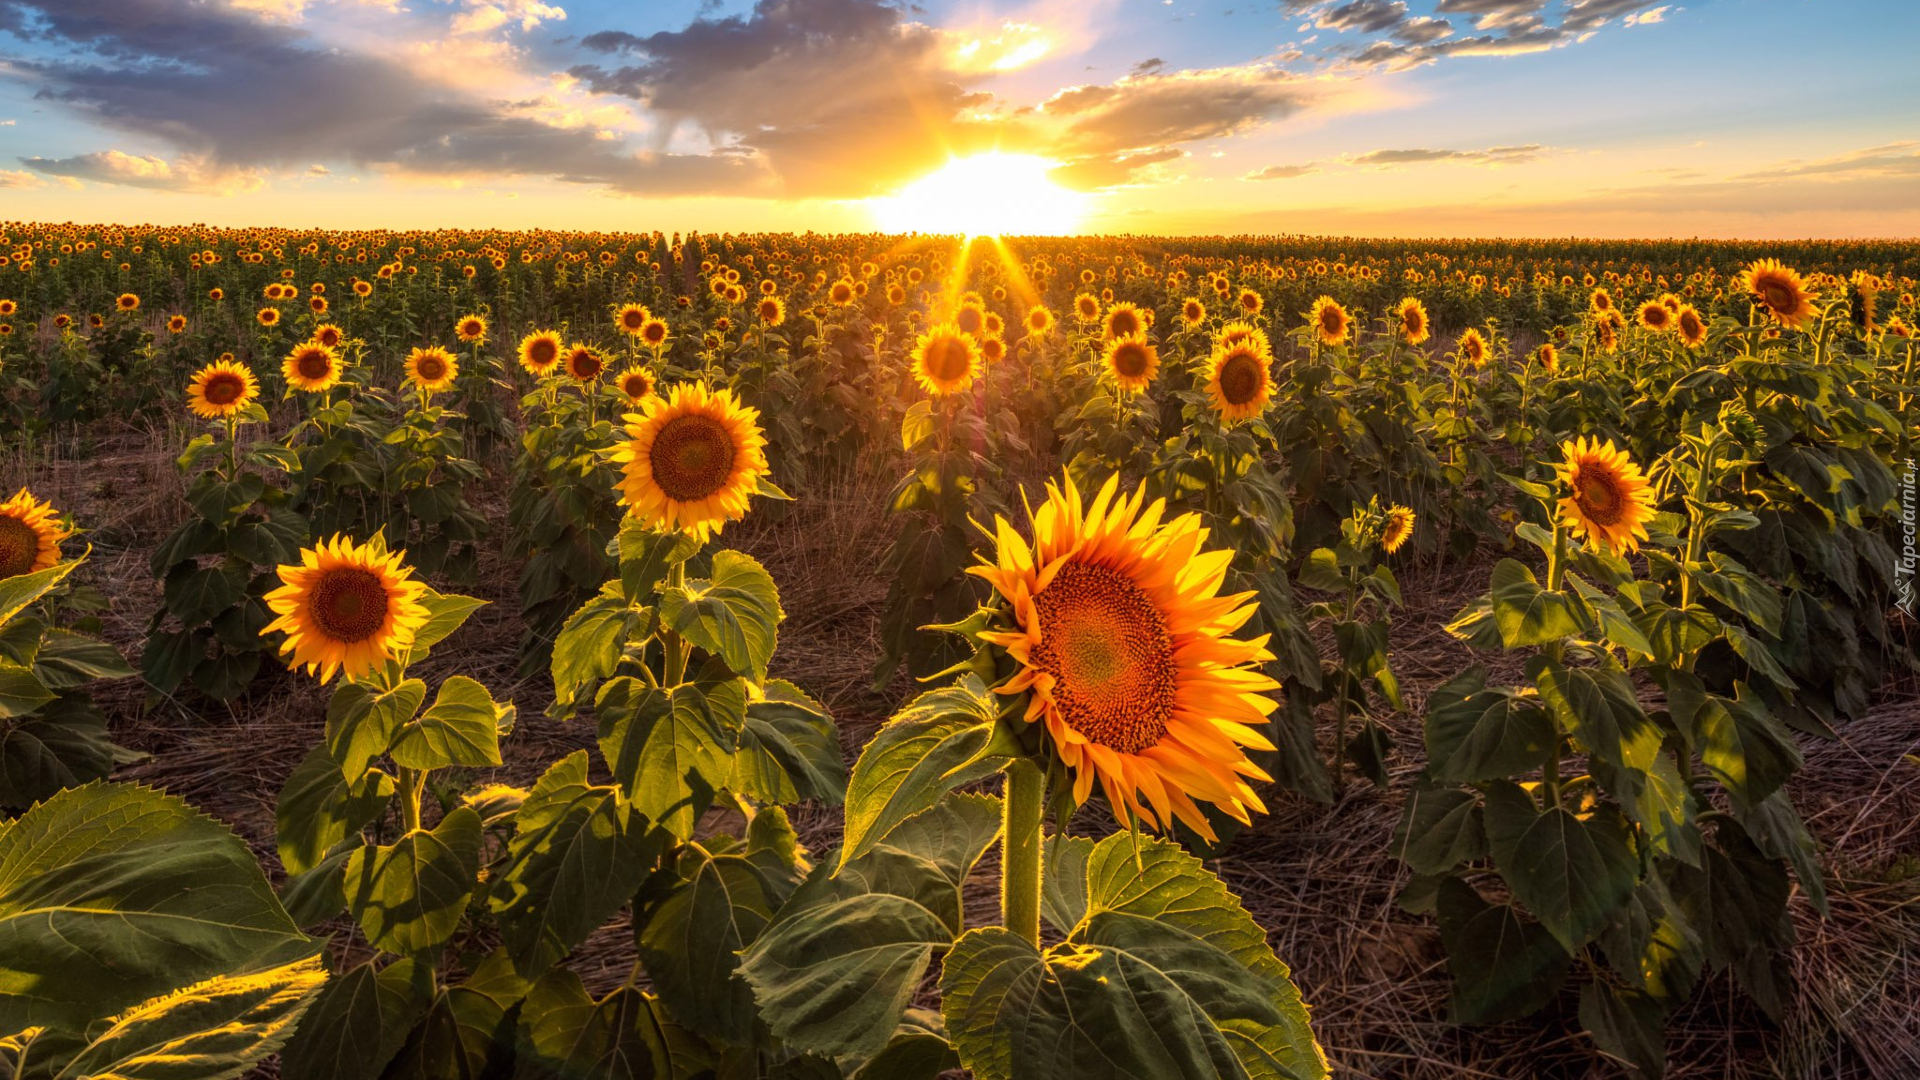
[359,1022]
[734,615]
[943,739]
[1441,829]
[591,643]
[1742,590]
[22,589]
[646,556]
[468,1030]
[578,853]
[1528,614]
[363,720]
[111,895]
[462,727]
[789,750]
[1628,1024]
[21,691]
[1745,747]
[670,749]
[212,1030]
[1478,734]
[566,1035]
[1573,874]
[67,660]
[918,1050]
[408,896]
[1503,967]
[1598,706]
[62,745]
[318,808]
[690,942]
[1166,975]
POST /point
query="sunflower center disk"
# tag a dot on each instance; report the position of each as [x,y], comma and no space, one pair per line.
[349,604]
[542,352]
[18,546]
[692,457]
[313,365]
[947,360]
[1599,497]
[1130,360]
[1239,379]
[432,370]
[223,390]
[1107,648]
[1777,296]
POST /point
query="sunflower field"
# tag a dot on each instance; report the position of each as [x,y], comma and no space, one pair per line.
[530,655]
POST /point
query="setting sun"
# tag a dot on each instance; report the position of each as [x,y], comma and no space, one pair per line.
[986,195]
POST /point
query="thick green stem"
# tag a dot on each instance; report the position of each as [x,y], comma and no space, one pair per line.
[676,647]
[1024,806]
[413,783]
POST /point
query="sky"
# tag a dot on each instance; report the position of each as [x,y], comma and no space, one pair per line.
[1764,119]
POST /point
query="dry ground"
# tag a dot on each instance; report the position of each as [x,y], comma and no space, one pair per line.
[1319,878]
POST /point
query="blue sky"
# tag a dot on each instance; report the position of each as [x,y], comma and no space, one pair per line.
[1763,118]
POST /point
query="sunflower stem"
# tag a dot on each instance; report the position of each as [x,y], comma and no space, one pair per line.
[1024,806]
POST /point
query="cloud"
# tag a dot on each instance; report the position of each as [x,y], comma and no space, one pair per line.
[1585,15]
[1890,160]
[1493,155]
[235,92]
[1142,112]
[18,178]
[1282,172]
[1096,173]
[133,170]
[1495,14]
[1647,17]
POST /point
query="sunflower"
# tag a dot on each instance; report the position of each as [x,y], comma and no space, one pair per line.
[1329,321]
[1238,381]
[329,335]
[691,460]
[1123,646]
[654,332]
[584,363]
[1779,289]
[346,608]
[1863,297]
[30,535]
[1132,361]
[221,389]
[1086,308]
[1239,333]
[771,310]
[1192,312]
[432,368]
[216,294]
[1472,347]
[1609,499]
[1039,320]
[1654,315]
[993,350]
[1250,302]
[540,351]
[1124,320]
[971,318]
[1601,300]
[127,302]
[1396,530]
[471,329]
[637,384]
[1414,326]
[1548,356]
[176,324]
[945,360]
[7,308]
[268,316]
[311,367]
[842,294]
[1692,328]
[629,318]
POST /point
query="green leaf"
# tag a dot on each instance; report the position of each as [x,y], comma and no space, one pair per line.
[113,894]
[789,750]
[1165,976]
[591,643]
[462,727]
[647,556]
[408,896]
[195,594]
[671,749]
[578,853]
[63,745]
[213,1030]
[1503,967]
[1615,624]
[1742,590]
[1321,571]
[940,741]
[691,941]
[446,613]
[21,692]
[735,615]
[22,589]
[1628,1024]
[1778,833]
[566,1035]
[1746,747]
[918,1050]
[1598,707]
[67,660]
[358,1023]
[318,809]
[1478,734]
[363,720]
[1572,874]
[467,1027]
[1442,828]
[1528,614]
[1676,633]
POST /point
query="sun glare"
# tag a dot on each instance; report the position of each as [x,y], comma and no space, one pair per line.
[985,195]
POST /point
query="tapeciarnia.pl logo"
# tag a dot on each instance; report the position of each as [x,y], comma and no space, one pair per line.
[1903,566]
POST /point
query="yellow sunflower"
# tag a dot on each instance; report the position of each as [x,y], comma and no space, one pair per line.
[1549,357]
[267,316]
[1192,312]
[1250,302]
[127,302]
[1472,347]
[1692,328]
[329,335]
[1779,289]
[311,367]
[1398,528]
[1329,321]
[691,460]
[945,360]
[1238,381]
[1039,320]
[631,317]
[221,389]
[1239,333]
[471,329]
[30,535]
[771,310]
[1132,361]
[176,324]
[1123,644]
[584,363]
[1124,320]
[654,332]
[432,368]
[637,384]
[1654,315]
[1086,308]
[540,351]
[1414,326]
[1609,499]
[346,608]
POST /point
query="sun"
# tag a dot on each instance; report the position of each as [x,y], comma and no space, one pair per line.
[985,195]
